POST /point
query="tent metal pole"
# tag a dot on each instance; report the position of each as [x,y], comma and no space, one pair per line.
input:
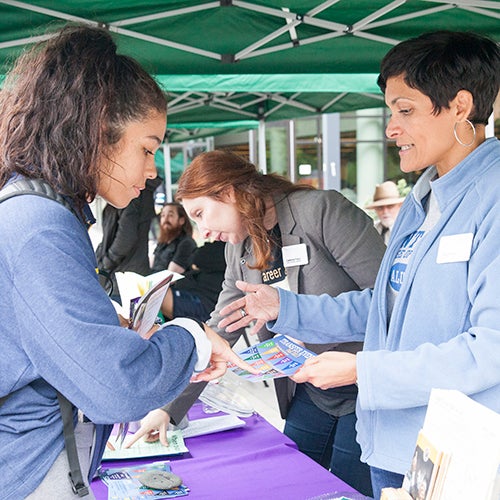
[262,147]
[252,146]
[330,142]
[292,157]
[168,173]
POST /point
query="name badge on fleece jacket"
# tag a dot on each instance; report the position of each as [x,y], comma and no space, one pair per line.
[295,255]
[454,248]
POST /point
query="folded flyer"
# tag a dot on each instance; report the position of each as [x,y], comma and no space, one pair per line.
[142,297]
[144,311]
[274,358]
[123,483]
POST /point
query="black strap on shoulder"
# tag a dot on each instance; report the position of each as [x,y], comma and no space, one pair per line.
[75,472]
[36,187]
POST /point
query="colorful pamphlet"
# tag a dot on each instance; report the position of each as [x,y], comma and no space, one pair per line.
[123,483]
[274,358]
[142,296]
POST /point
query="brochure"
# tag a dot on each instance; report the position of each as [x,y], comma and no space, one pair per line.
[420,480]
[142,449]
[124,484]
[468,433]
[274,358]
[142,296]
[144,310]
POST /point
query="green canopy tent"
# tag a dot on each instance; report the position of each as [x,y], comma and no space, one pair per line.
[253,60]
[232,60]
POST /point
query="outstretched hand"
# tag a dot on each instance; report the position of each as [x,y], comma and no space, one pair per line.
[260,304]
[153,427]
[222,354]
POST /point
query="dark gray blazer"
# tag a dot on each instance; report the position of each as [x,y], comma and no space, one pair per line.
[344,252]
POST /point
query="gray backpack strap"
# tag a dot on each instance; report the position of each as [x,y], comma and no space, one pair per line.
[75,471]
[36,187]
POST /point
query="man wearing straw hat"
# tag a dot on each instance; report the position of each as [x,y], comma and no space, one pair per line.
[386,203]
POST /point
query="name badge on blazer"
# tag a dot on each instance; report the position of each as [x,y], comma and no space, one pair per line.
[454,248]
[295,255]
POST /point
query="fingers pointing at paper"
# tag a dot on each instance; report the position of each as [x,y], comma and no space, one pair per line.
[153,427]
[260,304]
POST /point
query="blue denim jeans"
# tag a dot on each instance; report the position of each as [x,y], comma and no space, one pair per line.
[328,440]
[384,479]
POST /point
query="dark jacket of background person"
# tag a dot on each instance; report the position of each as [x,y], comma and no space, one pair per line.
[344,254]
[178,250]
[125,239]
[206,274]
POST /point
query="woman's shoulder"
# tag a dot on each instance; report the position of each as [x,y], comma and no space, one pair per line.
[313,203]
[316,195]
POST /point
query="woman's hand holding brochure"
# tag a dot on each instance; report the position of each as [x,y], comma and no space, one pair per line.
[329,369]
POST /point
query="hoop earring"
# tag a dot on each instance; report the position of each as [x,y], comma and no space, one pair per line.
[458,139]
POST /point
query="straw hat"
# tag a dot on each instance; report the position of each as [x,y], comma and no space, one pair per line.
[385,194]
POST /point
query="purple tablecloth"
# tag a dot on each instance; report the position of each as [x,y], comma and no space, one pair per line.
[252,462]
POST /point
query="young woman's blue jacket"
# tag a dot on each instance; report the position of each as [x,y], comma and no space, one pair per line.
[58,329]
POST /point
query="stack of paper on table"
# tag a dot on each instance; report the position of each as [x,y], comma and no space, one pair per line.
[466,437]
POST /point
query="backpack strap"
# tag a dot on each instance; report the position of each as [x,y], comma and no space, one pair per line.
[39,187]
[75,471]
[36,187]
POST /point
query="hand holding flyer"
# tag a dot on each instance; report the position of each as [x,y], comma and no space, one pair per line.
[274,358]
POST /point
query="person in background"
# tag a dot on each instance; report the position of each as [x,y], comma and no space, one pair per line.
[297,238]
[125,240]
[196,294]
[433,317]
[84,121]
[386,203]
[175,242]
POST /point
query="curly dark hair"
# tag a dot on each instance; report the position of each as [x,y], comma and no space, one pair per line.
[65,103]
[211,173]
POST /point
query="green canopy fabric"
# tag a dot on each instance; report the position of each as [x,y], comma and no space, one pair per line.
[232,60]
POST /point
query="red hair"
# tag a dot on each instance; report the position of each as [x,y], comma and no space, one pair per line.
[213,173]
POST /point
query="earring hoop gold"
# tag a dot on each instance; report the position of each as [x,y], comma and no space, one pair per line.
[458,138]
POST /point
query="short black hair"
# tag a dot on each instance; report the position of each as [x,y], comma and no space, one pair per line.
[441,63]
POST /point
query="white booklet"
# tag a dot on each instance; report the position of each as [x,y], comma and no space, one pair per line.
[469,433]
[211,425]
[141,448]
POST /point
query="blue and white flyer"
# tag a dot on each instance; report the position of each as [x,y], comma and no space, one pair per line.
[274,358]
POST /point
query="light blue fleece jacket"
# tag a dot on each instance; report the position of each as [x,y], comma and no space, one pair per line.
[445,326]
[58,327]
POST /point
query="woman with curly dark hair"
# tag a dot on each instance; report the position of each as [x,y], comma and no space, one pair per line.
[77,120]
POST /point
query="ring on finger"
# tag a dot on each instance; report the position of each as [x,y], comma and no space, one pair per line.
[243,312]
